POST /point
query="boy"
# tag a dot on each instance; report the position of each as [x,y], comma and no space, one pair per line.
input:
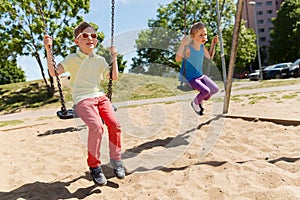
[91,104]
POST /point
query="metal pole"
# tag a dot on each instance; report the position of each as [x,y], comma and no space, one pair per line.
[253,4]
[221,45]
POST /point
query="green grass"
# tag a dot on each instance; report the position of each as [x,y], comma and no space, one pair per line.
[271,83]
[290,96]
[138,86]
[33,95]
[10,122]
[16,96]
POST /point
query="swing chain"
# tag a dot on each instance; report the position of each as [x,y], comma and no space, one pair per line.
[184,84]
[109,89]
[185,33]
[184,14]
[62,99]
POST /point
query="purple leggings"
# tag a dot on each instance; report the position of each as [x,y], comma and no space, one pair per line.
[205,86]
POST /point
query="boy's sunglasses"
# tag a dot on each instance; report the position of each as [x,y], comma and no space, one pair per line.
[86,35]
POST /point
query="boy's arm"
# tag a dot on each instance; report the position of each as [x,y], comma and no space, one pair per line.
[50,64]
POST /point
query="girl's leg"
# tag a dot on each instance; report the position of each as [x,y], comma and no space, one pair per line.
[87,110]
[199,85]
[113,126]
[211,85]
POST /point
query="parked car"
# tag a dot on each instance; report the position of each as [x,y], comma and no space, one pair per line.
[280,70]
[295,69]
[254,76]
[241,75]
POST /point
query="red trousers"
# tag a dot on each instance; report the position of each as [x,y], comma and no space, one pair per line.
[92,111]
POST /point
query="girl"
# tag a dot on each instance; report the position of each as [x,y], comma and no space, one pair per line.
[191,54]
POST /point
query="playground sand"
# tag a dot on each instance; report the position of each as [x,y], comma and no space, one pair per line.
[169,153]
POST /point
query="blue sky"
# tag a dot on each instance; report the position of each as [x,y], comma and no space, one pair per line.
[130,15]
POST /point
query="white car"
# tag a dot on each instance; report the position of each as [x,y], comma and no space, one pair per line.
[254,76]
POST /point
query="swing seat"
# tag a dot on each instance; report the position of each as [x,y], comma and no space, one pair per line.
[115,108]
[185,87]
[65,114]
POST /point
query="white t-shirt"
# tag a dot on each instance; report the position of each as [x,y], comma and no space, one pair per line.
[86,72]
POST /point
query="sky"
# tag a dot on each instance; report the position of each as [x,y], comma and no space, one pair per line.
[131,16]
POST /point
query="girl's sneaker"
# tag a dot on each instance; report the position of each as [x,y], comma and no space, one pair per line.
[197,108]
[201,109]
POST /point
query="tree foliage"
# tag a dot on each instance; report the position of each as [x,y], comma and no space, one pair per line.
[246,50]
[106,54]
[11,73]
[160,42]
[23,25]
[284,46]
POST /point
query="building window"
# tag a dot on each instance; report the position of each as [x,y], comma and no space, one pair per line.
[258,4]
[262,39]
[270,29]
[270,20]
[261,21]
[259,13]
[269,3]
[269,12]
[261,30]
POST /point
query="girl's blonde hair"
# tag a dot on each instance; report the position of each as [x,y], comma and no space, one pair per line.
[197,26]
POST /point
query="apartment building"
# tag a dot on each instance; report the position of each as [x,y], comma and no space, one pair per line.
[264,11]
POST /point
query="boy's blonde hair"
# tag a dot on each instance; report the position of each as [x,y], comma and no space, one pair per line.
[197,26]
[83,25]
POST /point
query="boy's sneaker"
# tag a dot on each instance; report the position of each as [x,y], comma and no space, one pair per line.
[197,108]
[98,176]
[118,168]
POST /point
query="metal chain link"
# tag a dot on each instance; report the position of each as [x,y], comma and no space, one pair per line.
[62,99]
[184,14]
[185,33]
[109,89]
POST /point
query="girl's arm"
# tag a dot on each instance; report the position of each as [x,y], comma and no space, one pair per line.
[212,48]
[59,67]
[182,49]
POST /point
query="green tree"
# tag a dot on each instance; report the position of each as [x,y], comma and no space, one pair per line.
[161,41]
[11,73]
[246,51]
[23,27]
[106,54]
[284,45]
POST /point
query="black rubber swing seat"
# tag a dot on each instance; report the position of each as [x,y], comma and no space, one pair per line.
[185,87]
[69,114]
[65,114]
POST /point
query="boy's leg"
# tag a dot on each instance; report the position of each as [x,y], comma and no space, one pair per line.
[114,133]
[113,126]
[87,110]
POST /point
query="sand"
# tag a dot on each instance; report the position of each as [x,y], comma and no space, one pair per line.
[169,153]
